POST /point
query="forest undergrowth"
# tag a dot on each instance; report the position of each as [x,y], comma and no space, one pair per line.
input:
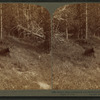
[24,67]
[72,69]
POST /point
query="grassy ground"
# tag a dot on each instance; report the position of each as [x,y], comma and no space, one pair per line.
[73,70]
[24,67]
[28,68]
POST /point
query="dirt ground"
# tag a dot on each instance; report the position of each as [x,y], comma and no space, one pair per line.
[24,67]
[73,70]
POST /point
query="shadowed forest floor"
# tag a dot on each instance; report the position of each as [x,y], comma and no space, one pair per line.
[73,70]
[24,67]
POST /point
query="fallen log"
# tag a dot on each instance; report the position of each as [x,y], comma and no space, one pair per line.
[27,30]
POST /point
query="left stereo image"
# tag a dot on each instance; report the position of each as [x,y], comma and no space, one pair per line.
[25,43]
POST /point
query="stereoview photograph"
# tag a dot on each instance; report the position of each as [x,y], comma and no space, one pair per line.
[25,61]
[38,52]
[76,47]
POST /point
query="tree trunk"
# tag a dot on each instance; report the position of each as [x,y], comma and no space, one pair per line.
[17,14]
[66,30]
[66,33]
[1,22]
[86,23]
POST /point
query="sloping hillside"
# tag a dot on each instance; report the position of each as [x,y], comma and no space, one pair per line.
[24,67]
[71,68]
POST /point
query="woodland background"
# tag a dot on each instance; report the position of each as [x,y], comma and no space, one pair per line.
[76,46]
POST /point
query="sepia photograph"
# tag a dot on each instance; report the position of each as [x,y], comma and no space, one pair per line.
[76,47]
[25,43]
[52,47]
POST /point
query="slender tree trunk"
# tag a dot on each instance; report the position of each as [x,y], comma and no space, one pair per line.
[29,16]
[1,21]
[24,20]
[79,23]
[29,12]
[66,30]
[17,14]
[66,33]
[86,23]
[22,15]
[17,17]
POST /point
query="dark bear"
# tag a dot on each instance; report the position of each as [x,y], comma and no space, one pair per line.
[89,52]
[4,51]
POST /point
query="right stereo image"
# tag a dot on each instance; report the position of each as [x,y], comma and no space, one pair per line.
[76,47]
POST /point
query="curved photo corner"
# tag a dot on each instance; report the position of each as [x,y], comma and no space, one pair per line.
[76,47]
[25,36]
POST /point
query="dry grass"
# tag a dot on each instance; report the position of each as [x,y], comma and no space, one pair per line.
[24,68]
[72,70]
